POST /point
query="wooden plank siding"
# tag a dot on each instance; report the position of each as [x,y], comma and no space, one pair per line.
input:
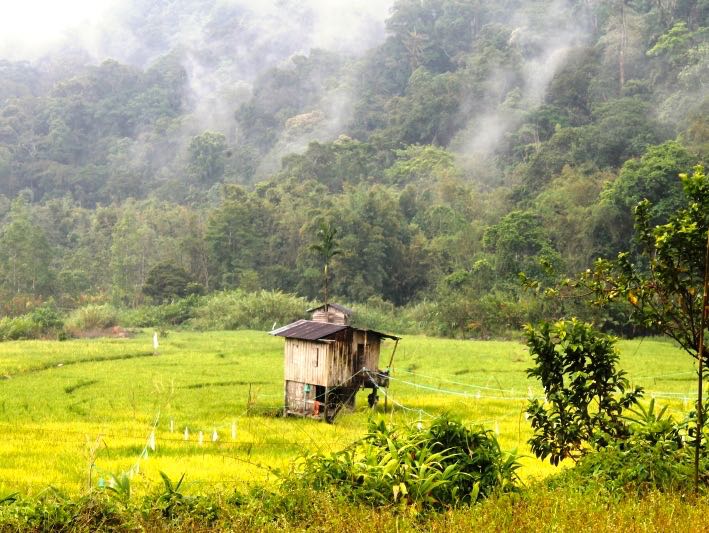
[371,349]
[297,399]
[332,316]
[341,359]
[307,361]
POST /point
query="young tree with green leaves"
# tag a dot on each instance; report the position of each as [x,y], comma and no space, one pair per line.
[584,392]
[667,285]
[327,247]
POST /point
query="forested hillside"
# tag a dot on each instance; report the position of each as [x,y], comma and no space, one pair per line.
[469,142]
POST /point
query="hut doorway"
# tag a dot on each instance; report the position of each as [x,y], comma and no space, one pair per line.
[359,360]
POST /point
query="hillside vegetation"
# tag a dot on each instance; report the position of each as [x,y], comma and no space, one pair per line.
[475,141]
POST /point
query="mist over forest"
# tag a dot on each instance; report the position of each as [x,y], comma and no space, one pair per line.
[452,144]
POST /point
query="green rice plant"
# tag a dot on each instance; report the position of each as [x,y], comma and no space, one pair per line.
[59,392]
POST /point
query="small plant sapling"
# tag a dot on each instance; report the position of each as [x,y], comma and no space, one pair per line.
[585,394]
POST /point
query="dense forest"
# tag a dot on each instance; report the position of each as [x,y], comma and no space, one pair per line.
[470,142]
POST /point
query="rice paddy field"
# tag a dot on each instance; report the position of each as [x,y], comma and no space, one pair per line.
[74,413]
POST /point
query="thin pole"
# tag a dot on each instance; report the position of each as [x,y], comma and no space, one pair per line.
[700,382]
[391,361]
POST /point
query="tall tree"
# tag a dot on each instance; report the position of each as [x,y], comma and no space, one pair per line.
[25,253]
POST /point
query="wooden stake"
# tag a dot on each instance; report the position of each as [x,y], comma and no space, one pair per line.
[391,361]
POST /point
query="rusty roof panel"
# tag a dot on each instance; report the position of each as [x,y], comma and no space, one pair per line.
[308,330]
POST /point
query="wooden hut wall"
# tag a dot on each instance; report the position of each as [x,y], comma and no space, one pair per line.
[298,399]
[306,361]
[341,361]
[333,316]
[371,343]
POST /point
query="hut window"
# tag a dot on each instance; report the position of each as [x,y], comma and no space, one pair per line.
[317,357]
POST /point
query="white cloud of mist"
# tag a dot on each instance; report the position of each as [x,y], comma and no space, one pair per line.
[546,43]
[224,44]
[107,28]
[30,28]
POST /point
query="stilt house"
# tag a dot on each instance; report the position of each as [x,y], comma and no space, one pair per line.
[327,361]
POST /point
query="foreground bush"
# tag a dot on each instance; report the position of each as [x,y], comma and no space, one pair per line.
[657,455]
[537,508]
[444,465]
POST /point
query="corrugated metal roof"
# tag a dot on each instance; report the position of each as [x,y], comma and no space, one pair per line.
[339,307]
[308,330]
[311,330]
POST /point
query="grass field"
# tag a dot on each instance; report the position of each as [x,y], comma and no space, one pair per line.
[77,411]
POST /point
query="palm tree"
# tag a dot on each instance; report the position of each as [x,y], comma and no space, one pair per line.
[327,248]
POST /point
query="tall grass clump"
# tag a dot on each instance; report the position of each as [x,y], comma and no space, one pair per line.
[444,465]
[237,309]
[92,317]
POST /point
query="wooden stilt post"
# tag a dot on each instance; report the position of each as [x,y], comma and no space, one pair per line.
[326,407]
[391,362]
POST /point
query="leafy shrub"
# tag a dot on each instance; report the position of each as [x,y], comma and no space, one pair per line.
[467,314]
[446,464]
[584,392]
[21,327]
[240,310]
[381,315]
[171,314]
[47,317]
[658,454]
[92,317]
[42,321]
